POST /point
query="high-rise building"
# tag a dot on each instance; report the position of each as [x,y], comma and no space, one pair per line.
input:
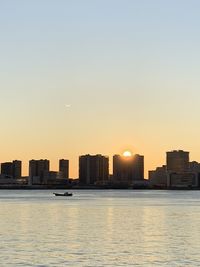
[64,168]
[17,169]
[7,169]
[177,161]
[93,169]
[128,169]
[12,169]
[180,172]
[38,169]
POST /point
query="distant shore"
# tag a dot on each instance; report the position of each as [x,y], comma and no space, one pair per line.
[90,187]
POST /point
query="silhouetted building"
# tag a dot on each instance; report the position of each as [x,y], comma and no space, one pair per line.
[128,169]
[64,168]
[194,166]
[12,169]
[50,177]
[17,169]
[7,168]
[93,169]
[37,170]
[158,177]
[182,180]
[178,161]
[180,172]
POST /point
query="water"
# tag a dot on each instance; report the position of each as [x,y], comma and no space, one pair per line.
[100,228]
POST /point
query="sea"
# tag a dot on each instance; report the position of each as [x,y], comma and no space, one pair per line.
[140,228]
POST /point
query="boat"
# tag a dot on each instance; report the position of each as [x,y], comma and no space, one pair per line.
[66,194]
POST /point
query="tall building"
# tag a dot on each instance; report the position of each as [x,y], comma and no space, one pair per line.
[37,170]
[7,169]
[177,161]
[128,169]
[12,169]
[17,169]
[177,173]
[180,172]
[64,168]
[93,169]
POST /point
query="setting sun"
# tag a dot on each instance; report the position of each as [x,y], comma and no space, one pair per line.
[127,154]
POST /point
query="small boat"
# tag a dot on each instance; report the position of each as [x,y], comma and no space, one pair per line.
[66,194]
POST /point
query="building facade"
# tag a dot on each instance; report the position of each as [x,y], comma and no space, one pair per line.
[177,161]
[128,169]
[93,169]
[180,172]
[12,169]
[38,170]
[183,180]
[64,168]
[158,177]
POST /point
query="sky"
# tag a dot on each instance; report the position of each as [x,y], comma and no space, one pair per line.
[99,76]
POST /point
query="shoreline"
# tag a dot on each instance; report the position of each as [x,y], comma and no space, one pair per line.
[45,187]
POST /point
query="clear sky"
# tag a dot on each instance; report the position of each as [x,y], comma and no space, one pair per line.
[100,76]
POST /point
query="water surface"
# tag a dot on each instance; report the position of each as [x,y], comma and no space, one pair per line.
[100,228]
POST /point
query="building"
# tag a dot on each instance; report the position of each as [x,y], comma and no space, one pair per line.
[17,169]
[180,172]
[50,178]
[128,169]
[64,168]
[183,180]
[158,177]
[138,167]
[177,161]
[12,169]
[7,169]
[194,166]
[93,169]
[38,170]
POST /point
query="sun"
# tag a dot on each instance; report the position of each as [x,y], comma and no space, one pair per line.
[127,154]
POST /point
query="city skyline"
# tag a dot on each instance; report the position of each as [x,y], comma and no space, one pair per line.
[83,76]
[73,169]
[64,165]
[178,172]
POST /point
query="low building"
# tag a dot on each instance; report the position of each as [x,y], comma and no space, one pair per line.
[158,177]
[50,177]
[182,180]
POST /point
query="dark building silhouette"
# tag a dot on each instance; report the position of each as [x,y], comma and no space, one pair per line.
[17,169]
[128,169]
[64,168]
[38,170]
[93,169]
[50,177]
[180,172]
[177,161]
[12,169]
[158,177]
[7,168]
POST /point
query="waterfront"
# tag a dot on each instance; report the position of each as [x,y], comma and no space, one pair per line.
[100,228]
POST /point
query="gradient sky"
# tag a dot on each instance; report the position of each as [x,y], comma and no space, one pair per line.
[129,69]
